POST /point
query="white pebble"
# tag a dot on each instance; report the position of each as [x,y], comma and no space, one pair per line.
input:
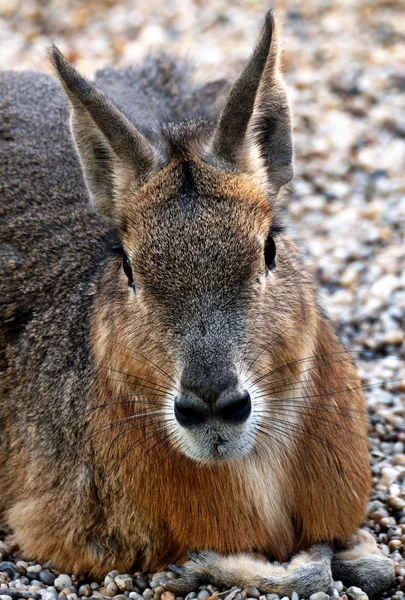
[395,337]
[396,502]
[157,575]
[34,569]
[384,286]
[48,595]
[319,596]
[62,581]
[124,582]
[389,475]
[111,589]
[355,593]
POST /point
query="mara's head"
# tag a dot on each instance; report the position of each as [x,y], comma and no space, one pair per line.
[207,289]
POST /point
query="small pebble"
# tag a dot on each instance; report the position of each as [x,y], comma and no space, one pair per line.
[111,589]
[319,596]
[69,590]
[397,503]
[33,571]
[62,581]
[159,590]
[355,593]
[47,577]
[155,583]
[22,566]
[9,568]
[126,582]
[388,475]
[50,595]
[85,590]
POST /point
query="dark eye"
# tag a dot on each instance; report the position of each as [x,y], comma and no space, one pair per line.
[126,265]
[270,252]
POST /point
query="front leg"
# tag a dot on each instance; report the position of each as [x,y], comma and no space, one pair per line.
[308,572]
[362,564]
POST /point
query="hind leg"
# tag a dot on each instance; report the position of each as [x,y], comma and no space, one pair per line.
[362,564]
[307,572]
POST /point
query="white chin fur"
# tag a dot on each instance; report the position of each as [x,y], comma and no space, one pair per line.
[215,442]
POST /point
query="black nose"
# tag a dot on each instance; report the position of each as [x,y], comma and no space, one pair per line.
[232,407]
[235,407]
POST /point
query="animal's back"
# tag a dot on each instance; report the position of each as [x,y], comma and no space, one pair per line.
[47,222]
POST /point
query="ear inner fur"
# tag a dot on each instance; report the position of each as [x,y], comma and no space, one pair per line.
[254,129]
[111,149]
[231,131]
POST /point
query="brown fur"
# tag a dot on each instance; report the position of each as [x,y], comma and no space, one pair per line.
[99,475]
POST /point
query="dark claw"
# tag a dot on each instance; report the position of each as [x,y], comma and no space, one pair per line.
[177,570]
[193,555]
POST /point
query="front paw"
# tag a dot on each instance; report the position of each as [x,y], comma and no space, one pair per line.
[195,572]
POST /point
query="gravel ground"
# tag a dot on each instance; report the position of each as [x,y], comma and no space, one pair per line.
[345,67]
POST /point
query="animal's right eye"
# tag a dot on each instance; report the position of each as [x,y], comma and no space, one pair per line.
[270,252]
[126,265]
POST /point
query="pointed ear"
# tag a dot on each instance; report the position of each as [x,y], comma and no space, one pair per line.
[257,113]
[109,146]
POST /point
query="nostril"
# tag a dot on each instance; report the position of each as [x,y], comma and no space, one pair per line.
[235,408]
[188,414]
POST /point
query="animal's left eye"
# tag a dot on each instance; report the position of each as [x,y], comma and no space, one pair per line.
[126,265]
[270,252]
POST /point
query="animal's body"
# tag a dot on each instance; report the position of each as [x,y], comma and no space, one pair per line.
[197,399]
